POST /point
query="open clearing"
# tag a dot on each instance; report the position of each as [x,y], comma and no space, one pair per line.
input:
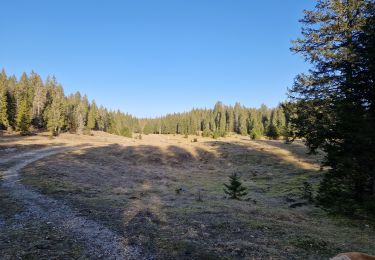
[161,197]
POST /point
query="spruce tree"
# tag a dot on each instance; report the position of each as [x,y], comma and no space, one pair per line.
[4,123]
[234,189]
[335,101]
[54,114]
[39,100]
[273,132]
[11,101]
[242,123]
[256,126]
[92,116]
[23,118]
[236,111]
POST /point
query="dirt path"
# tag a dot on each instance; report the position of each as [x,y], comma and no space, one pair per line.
[99,241]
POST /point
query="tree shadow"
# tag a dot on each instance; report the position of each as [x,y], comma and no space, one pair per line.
[148,194]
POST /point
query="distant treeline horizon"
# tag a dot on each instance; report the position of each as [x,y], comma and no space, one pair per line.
[31,103]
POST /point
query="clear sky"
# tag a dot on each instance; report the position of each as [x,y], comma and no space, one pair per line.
[152,57]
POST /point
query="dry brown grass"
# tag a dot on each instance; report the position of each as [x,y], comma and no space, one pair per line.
[147,190]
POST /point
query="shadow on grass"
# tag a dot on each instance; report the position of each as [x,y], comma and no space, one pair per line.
[148,194]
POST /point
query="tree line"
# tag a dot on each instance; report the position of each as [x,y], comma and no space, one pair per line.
[30,103]
[220,121]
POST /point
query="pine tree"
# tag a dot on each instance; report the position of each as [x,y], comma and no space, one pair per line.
[54,114]
[11,101]
[256,126]
[242,123]
[92,116]
[81,114]
[335,102]
[273,132]
[4,123]
[236,112]
[23,118]
[235,189]
[39,100]
[22,94]
[219,117]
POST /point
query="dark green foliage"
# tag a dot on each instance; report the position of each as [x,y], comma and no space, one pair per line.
[54,113]
[307,191]
[92,116]
[333,107]
[43,105]
[4,122]
[23,118]
[218,122]
[273,132]
[234,189]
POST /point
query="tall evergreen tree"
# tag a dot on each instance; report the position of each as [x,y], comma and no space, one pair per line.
[81,114]
[219,117]
[54,114]
[242,122]
[335,101]
[256,126]
[92,116]
[23,94]
[236,111]
[11,101]
[39,100]
[4,123]
[23,118]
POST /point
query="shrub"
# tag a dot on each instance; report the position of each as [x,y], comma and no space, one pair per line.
[206,133]
[254,134]
[126,132]
[215,135]
[86,131]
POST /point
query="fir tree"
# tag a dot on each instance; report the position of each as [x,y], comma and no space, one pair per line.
[4,123]
[23,118]
[54,114]
[242,123]
[273,132]
[39,100]
[92,116]
[234,189]
[335,102]
[255,125]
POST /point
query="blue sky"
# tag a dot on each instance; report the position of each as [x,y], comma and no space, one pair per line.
[152,57]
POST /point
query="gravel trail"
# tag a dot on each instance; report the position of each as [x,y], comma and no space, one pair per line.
[99,241]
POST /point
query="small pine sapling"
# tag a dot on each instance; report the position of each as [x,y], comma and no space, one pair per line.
[235,189]
[307,192]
